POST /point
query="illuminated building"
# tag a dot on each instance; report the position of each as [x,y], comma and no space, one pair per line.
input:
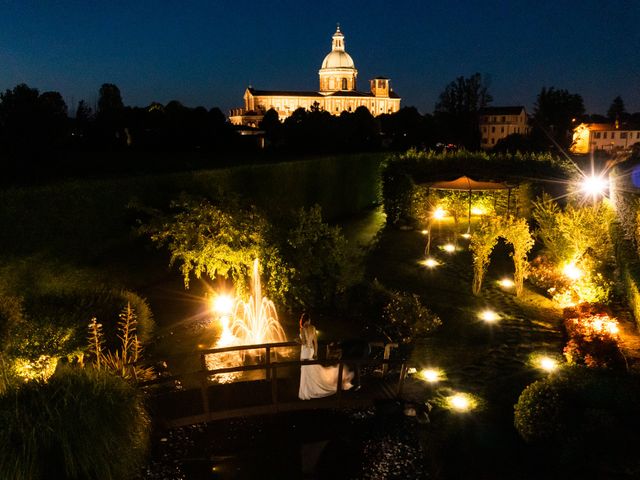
[588,137]
[337,92]
[497,123]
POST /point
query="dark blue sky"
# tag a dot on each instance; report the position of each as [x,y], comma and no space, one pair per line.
[207,52]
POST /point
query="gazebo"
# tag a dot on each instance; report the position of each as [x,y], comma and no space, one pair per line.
[470,185]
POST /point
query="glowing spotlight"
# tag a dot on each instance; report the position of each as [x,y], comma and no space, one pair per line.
[571,271]
[449,248]
[489,316]
[612,327]
[506,283]
[439,213]
[477,211]
[222,304]
[547,364]
[424,232]
[461,402]
[430,262]
[594,185]
[431,375]
[466,235]
[412,371]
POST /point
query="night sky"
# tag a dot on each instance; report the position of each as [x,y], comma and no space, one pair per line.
[207,52]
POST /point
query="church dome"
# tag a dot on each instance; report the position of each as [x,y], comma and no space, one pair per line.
[338,72]
[338,59]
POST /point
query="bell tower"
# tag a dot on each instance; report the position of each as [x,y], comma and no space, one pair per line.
[380,87]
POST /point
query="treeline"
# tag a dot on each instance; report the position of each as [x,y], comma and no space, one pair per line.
[40,137]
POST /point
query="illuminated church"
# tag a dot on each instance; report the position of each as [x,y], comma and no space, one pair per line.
[337,92]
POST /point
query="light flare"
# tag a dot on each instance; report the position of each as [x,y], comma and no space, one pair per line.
[489,316]
[430,262]
[439,213]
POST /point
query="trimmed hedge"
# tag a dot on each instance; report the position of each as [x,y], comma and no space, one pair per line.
[89,216]
[629,267]
[403,172]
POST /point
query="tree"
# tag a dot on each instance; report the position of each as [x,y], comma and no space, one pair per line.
[30,121]
[83,112]
[219,241]
[457,110]
[109,99]
[617,111]
[464,95]
[110,115]
[270,123]
[555,113]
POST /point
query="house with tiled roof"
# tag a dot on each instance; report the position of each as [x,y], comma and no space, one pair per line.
[497,123]
[590,137]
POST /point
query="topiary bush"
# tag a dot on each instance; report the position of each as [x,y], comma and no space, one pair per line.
[81,424]
[583,416]
[541,411]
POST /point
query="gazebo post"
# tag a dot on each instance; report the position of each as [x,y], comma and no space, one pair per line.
[508,201]
[469,223]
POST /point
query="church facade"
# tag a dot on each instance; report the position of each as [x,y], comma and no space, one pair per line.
[337,93]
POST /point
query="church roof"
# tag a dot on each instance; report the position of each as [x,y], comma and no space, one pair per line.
[293,93]
[501,110]
[283,93]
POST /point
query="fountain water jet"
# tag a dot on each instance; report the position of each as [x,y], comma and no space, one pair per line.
[250,323]
[256,321]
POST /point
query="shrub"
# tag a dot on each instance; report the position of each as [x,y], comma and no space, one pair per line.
[593,338]
[322,263]
[404,318]
[54,323]
[81,424]
[541,411]
[588,405]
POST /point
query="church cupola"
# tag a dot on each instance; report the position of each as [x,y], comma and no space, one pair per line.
[338,72]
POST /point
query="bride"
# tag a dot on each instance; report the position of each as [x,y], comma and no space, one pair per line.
[315,380]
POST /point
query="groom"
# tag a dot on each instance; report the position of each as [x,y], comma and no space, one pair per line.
[354,351]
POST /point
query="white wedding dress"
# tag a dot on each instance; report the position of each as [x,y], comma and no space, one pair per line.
[317,381]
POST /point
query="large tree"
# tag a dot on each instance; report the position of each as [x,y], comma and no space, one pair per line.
[616,110]
[556,111]
[457,109]
[30,121]
[110,115]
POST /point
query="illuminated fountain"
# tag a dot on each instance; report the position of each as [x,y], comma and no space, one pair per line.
[244,323]
[256,321]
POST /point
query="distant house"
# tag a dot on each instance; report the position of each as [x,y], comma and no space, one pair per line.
[588,137]
[497,123]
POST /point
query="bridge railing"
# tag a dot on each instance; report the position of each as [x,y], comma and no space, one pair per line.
[271,368]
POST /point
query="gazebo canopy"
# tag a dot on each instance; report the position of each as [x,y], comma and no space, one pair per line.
[468,184]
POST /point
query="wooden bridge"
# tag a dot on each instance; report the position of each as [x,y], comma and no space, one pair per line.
[270,385]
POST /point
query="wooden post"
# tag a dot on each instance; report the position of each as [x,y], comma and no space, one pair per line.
[469,219]
[339,390]
[204,386]
[386,356]
[204,391]
[268,362]
[508,201]
[274,386]
[403,374]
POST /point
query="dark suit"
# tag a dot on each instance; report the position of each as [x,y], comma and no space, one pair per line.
[355,350]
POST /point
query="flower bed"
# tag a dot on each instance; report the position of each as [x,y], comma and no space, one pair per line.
[592,338]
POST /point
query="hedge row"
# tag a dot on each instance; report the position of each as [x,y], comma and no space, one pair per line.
[629,267]
[89,215]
